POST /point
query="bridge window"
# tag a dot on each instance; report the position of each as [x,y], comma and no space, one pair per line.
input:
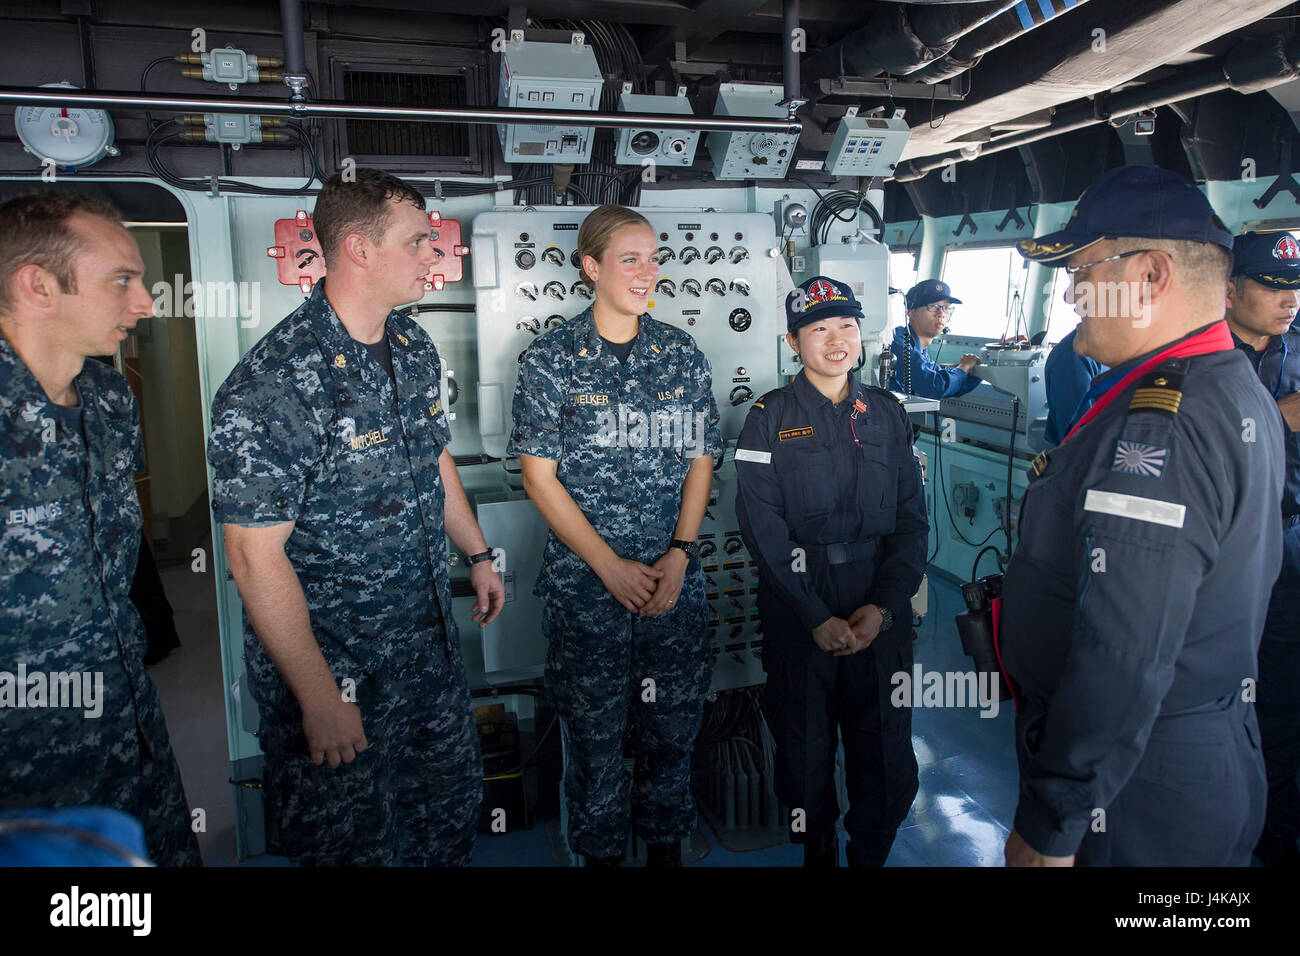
[987,280]
[1061,317]
[902,276]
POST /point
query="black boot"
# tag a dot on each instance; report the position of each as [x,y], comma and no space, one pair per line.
[821,850]
[604,861]
[663,854]
[870,849]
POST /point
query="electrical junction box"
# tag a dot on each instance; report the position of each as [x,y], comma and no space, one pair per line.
[864,266]
[666,147]
[751,155]
[867,145]
[548,76]
[233,128]
[230,66]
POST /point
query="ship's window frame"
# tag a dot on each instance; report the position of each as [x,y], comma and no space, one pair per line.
[976,317]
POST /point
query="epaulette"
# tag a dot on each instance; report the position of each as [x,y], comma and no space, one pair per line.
[762,401]
[1160,390]
[883,391]
[1039,464]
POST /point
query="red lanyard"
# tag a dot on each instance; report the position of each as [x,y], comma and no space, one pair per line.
[1217,338]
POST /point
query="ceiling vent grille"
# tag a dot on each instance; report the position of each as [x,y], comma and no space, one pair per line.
[433,141]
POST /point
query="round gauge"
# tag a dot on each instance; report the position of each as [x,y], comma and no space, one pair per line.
[66,135]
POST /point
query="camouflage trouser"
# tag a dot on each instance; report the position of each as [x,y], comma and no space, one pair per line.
[59,757]
[411,798]
[598,667]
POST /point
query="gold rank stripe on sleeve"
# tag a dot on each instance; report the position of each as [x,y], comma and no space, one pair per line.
[1160,399]
[1039,464]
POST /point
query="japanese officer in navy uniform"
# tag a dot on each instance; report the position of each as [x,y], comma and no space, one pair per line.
[830,503]
[1133,605]
[1262,300]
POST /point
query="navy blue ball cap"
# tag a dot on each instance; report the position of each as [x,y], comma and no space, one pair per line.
[927,293]
[1270,258]
[819,298]
[1144,202]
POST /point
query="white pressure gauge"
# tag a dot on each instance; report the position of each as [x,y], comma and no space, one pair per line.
[69,136]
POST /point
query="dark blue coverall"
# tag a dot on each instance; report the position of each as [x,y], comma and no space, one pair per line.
[842,487]
[1278,367]
[1131,617]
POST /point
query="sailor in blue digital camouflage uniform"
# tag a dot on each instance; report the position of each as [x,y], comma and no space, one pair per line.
[1132,608]
[336,490]
[1262,299]
[929,304]
[71,288]
[617,430]
[830,503]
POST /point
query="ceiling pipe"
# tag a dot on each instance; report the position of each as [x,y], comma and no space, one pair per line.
[1254,64]
[295,53]
[898,40]
[789,55]
[971,48]
[334,109]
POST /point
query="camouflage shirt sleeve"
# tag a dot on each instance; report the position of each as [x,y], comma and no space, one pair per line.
[703,402]
[537,404]
[140,463]
[264,443]
[442,426]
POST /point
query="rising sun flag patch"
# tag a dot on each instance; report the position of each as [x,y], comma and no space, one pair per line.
[1137,458]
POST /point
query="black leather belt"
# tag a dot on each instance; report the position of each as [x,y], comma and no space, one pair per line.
[842,552]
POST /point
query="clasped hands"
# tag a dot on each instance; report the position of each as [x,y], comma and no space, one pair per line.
[842,637]
[646,590]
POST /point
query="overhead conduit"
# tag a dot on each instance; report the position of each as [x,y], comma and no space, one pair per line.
[1095,49]
[970,49]
[899,39]
[1254,64]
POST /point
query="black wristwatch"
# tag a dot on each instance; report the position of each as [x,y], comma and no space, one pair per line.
[481,556]
[887,616]
[690,547]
